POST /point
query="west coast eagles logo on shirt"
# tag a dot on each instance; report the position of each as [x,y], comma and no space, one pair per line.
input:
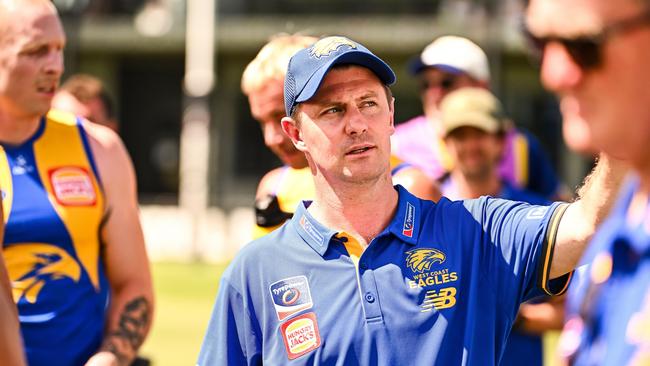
[326,46]
[33,266]
[419,260]
[428,273]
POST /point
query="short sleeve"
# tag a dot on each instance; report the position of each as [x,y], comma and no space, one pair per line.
[516,246]
[232,334]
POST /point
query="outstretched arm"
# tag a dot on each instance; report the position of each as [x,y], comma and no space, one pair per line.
[582,217]
[131,310]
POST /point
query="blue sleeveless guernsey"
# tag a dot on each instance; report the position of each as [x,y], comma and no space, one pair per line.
[53,205]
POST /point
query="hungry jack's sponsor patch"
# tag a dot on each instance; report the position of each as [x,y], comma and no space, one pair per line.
[300,335]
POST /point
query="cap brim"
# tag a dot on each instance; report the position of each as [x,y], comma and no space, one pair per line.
[361,58]
[415,66]
[471,119]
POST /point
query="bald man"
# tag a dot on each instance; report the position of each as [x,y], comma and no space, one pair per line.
[73,242]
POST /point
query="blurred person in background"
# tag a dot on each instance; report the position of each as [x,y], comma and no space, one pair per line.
[447,64]
[473,124]
[11,345]
[86,96]
[73,243]
[595,57]
[281,189]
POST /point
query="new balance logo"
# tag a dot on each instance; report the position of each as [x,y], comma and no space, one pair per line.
[441,299]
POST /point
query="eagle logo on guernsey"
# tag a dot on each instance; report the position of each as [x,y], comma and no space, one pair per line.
[73,186]
[326,46]
[420,260]
[290,296]
[34,265]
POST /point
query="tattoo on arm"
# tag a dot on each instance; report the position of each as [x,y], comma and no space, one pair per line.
[124,341]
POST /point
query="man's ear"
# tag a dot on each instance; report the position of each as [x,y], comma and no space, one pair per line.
[290,128]
[391,108]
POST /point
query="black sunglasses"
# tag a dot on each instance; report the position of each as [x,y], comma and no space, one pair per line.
[446,83]
[586,50]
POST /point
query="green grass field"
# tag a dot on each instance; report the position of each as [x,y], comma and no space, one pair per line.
[185,294]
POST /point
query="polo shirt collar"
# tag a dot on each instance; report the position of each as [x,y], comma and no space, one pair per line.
[405,224]
[314,233]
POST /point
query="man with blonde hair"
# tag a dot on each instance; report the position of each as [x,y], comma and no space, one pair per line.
[73,243]
[281,189]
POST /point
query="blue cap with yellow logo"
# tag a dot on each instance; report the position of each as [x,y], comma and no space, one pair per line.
[308,67]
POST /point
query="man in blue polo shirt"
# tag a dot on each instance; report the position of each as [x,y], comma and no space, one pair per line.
[368,274]
[596,56]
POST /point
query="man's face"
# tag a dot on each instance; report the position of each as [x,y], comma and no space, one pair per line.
[31,60]
[476,153]
[435,84]
[345,128]
[267,107]
[607,104]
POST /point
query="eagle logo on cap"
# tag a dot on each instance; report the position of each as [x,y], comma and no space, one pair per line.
[420,260]
[326,46]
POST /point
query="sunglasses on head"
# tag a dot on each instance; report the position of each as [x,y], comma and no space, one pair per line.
[586,50]
[445,83]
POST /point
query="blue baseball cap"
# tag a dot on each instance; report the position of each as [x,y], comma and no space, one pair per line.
[308,67]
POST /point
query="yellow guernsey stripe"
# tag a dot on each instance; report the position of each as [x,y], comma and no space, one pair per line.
[6,184]
[549,245]
[521,160]
[61,146]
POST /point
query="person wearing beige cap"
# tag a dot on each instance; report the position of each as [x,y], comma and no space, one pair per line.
[473,124]
[447,64]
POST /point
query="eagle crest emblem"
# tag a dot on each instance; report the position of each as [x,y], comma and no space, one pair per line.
[420,260]
[328,45]
[32,266]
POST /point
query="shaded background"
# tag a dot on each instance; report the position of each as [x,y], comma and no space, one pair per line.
[137,48]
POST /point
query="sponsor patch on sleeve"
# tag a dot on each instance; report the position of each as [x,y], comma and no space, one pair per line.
[301,335]
[290,295]
[73,186]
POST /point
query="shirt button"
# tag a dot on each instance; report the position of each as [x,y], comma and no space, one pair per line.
[370,297]
[363,265]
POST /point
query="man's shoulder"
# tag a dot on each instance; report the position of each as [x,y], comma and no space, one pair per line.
[266,248]
[270,181]
[63,118]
